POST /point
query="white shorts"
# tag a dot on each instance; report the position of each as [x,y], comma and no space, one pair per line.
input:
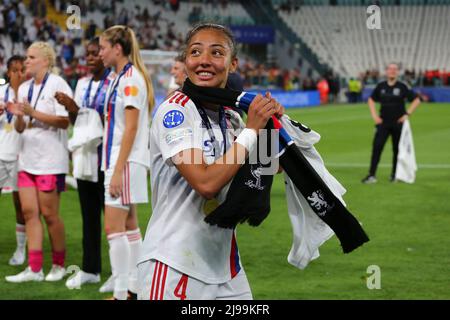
[159,281]
[8,174]
[134,187]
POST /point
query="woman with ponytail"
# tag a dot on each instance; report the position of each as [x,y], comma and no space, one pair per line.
[43,160]
[126,154]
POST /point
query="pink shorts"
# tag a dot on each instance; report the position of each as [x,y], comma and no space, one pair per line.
[44,182]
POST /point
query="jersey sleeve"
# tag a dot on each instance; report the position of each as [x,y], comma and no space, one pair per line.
[376,94]
[410,94]
[133,93]
[63,87]
[176,130]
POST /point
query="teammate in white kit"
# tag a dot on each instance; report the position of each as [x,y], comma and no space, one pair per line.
[126,154]
[10,141]
[183,256]
[43,161]
[90,93]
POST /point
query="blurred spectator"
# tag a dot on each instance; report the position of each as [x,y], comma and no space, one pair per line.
[2,20]
[334,84]
[67,51]
[90,30]
[174,5]
[324,90]
[354,90]
[308,84]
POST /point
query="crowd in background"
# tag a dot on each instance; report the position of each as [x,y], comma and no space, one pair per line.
[156,32]
[427,78]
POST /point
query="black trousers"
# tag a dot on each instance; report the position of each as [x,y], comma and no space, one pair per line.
[92,201]
[382,133]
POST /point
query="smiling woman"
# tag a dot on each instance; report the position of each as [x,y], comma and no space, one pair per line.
[43,160]
[126,155]
[183,256]
[209,61]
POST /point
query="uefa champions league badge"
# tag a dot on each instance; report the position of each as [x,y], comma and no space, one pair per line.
[173,119]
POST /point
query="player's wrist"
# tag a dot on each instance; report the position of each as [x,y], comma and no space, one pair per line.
[248,138]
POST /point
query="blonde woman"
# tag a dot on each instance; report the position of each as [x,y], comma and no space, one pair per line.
[43,161]
[126,154]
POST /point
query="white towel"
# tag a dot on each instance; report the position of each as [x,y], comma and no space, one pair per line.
[309,231]
[406,159]
[87,136]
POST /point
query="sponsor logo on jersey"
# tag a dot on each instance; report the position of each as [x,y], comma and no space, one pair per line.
[177,135]
[173,119]
[131,91]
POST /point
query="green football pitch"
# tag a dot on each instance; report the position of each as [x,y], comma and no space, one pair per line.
[408,225]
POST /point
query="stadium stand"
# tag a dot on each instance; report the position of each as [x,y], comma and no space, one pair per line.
[333,31]
[338,35]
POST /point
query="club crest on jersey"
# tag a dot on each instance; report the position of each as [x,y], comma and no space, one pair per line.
[173,119]
[396,91]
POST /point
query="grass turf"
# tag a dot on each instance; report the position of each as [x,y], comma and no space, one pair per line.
[408,224]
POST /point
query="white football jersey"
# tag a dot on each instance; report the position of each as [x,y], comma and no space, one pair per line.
[82,87]
[177,234]
[131,91]
[44,148]
[10,139]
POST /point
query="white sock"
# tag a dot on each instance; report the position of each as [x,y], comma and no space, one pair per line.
[119,255]
[135,241]
[21,236]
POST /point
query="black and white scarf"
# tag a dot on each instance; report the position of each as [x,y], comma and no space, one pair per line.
[306,179]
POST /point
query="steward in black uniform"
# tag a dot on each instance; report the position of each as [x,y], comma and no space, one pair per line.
[391,94]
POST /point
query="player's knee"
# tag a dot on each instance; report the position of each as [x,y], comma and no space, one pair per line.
[52,219]
[30,213]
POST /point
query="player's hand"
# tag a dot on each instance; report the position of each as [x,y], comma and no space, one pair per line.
[402,118]
[66,101]
[26,108]
[115,186]
[279,108]
[378,120]
[14,108]
[2,108]
[260,111]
